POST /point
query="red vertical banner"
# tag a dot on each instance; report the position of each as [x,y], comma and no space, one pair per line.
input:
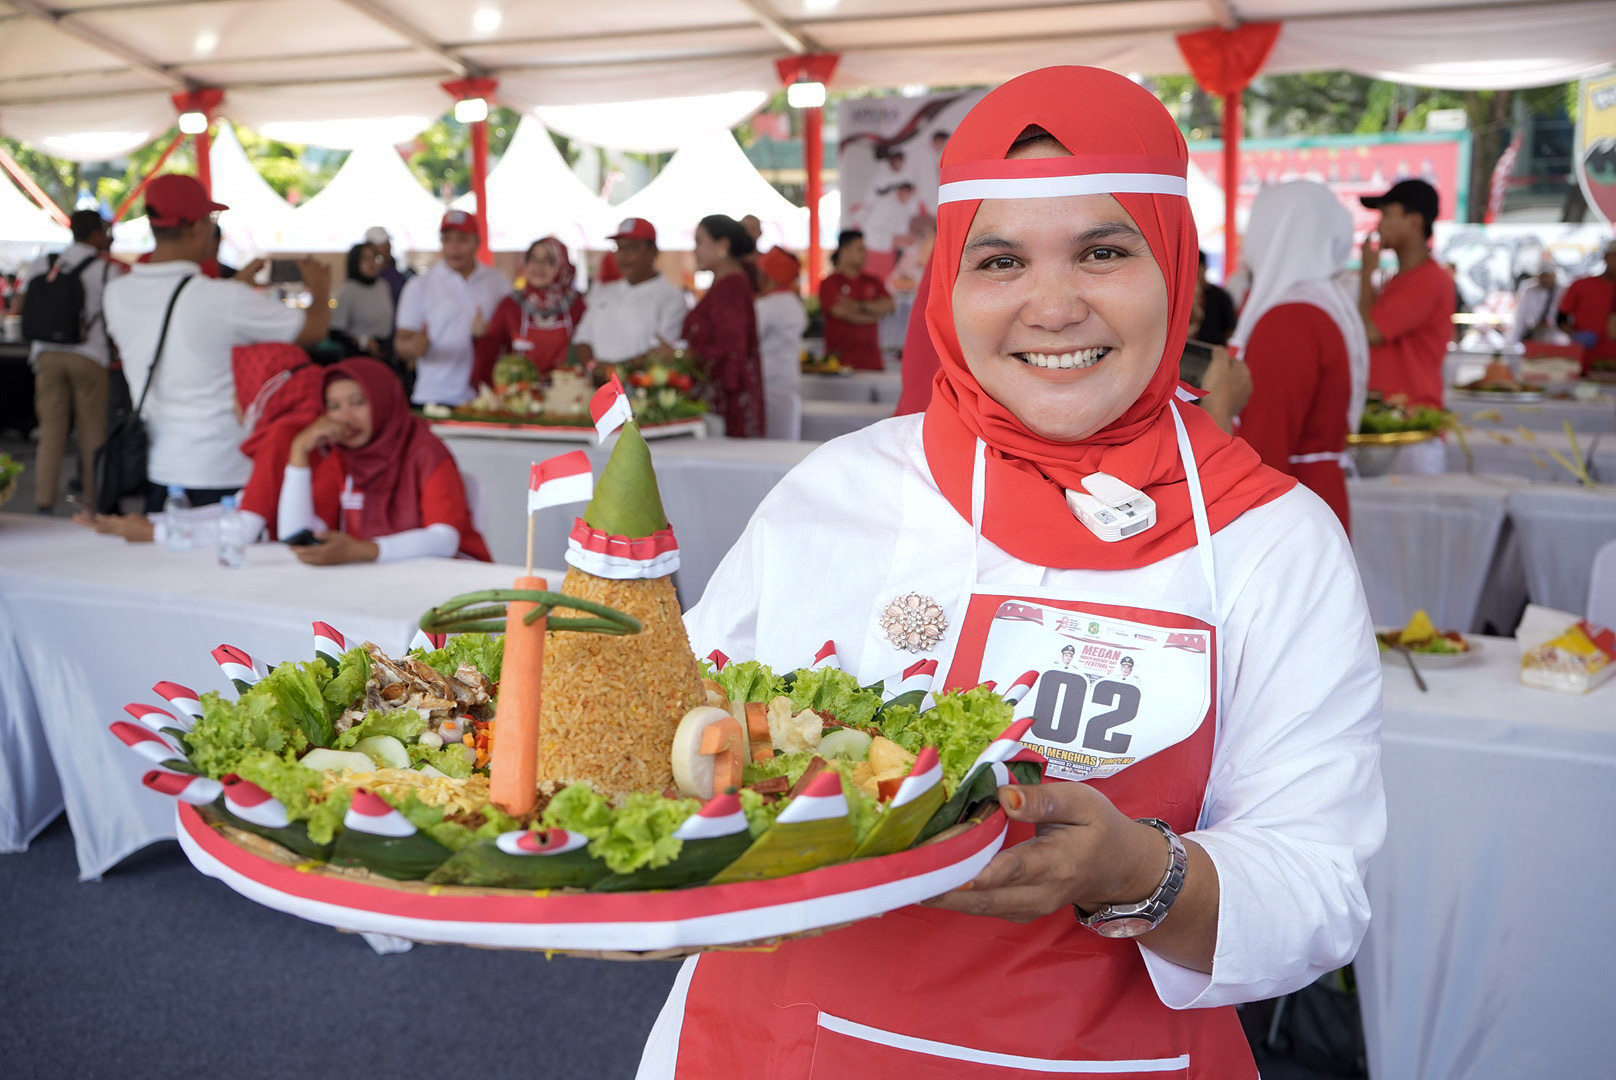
[465,90]
[813,67]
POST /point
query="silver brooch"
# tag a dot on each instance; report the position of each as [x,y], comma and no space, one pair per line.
[914,623]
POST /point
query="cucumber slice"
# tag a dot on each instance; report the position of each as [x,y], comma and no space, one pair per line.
[386,751]
[323,760]
[846,744]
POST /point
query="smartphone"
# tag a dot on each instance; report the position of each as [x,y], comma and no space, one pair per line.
[305,538]
[284,271]
[1192,365]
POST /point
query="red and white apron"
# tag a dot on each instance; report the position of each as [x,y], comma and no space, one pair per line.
[923,993]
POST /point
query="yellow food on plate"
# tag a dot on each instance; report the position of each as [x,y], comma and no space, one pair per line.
[1419,629]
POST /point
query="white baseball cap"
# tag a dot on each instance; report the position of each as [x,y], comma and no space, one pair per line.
[377,235]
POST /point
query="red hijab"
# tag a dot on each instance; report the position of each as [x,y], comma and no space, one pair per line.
[554,300]
[276,386]
[1113,128]
[391,469]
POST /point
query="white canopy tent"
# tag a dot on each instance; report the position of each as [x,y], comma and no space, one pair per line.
[22,222]
[532,193]
[712,175]
[94,81]
[373,187]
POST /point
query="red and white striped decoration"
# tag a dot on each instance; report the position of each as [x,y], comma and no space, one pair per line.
[1004,748]
[1055,178]
[370,813]
[196,790]
[826,658]
[822,801]
[251,803]
[559,481]
[926,774]
[610,408]
[722,816]
[622,558]
[237,666]
[328,642]
[182,698]
[718,659]
[1021,687]
[151,716]
[917,676]
[542,842]
[988,685]
[428,642]
[148,744]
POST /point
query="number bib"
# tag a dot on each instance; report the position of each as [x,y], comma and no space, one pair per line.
[1115,685]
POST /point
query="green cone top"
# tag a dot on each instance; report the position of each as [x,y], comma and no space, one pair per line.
[627,502]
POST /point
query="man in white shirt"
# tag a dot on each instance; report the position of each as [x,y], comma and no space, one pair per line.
[70,377]
[630,317]
[191,409]
[442,312]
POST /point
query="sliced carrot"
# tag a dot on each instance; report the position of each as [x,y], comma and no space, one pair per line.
[763,751]
[721,735]
[727,771]
[513,781]
[757,721]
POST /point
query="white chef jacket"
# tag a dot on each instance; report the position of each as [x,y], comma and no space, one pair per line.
[623,321]
[781,319]
[1294,806]
[191,412]
[447,304]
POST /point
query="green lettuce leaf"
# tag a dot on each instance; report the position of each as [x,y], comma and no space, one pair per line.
[299,790]
[791,766]
[484,652]
[760,814]
[637,834]
[228,731]
[836,692]
[347,687]
[299,690]
[748,680]
[405,725]
[960,725]
[450,760]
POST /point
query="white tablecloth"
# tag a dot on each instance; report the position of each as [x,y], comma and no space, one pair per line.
[823,421]
[1511,453]
[1559,529]
[1586,417]
[862,386]
[1438,543]
[97,622]
[1491,947]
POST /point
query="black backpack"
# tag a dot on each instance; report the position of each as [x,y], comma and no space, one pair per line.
[53,305]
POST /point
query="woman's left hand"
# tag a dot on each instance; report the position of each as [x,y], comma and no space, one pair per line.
[1086,852]
[336,548]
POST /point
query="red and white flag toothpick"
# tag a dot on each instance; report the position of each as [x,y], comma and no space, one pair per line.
[329,642]
[428,642]
[151,716]
[196,790]
[822,800]
[237,666]
[826,658]
[722,816]
[182,698]
[926,774]
[540,842]
[559,481]
[917,676]
[148,744]
[1007,747]
[610,408]
[253,804]
[370,813]
[718,659]
[1021,687]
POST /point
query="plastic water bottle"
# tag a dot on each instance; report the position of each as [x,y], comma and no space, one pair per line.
[176,520]
[232,535]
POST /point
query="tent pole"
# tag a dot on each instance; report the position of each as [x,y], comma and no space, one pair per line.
[1233,123]
[157,167]
[34,191]
[479,186]
[814,139]
[203,141]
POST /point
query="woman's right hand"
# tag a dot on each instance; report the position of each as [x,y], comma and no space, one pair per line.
[320,435]
[412,344]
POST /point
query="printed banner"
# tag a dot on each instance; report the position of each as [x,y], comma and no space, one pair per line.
[1596,144]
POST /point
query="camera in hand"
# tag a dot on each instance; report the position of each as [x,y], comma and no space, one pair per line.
[284,271]
[1193,363]
[304,538]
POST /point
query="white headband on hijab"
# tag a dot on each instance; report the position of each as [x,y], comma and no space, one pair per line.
[1299,238]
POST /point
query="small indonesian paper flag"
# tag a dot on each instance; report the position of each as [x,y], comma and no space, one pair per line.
[822,800]
[561,480]
[540,842]
[1021,687]
[251,803]
[917,676]
[329,642]
[148,744]
[610,407]
[722,816]
[370,813]
[826,658]
[151,716]
[926,774]
[237,666]
[428,642]
[182,698]
[196,790]
[718,659]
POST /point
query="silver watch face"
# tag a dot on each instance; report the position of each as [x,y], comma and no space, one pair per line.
[1124,928]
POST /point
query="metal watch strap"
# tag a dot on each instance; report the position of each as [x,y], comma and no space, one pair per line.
[1131,920]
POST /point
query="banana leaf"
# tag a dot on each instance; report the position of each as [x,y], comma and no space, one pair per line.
[293,837]
[793,848]
[402,858]
[698,862]
[977,787]
[899,827]
[483,863]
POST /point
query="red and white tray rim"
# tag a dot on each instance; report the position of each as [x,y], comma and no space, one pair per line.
[636,922]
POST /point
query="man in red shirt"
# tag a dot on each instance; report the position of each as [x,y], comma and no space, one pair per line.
[1410,321]
[853,302]
[1587,310]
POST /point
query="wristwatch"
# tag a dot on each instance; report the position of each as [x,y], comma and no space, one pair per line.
[1131,920]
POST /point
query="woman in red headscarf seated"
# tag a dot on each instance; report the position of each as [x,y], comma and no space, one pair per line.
[537,320]
[280,392]
[1058,498]
[371,481]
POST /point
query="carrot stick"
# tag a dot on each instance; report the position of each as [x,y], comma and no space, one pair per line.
[514,772]
[757,721]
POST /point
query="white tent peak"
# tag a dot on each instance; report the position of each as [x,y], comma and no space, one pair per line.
[532,194]
[712,175]
[22,222]
[373,187]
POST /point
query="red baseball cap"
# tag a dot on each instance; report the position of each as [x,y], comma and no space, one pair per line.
[635,229]
[461,221]
[175,199]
